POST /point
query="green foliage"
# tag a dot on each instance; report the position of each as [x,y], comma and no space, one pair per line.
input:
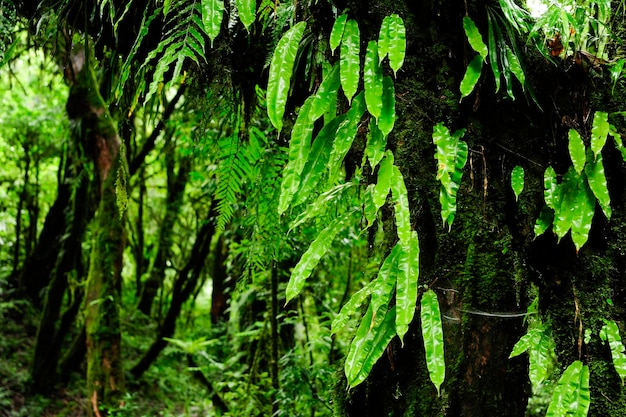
[433,338]
[541,357]
[247,12]
[571,396]
[610,334]
[212,14]
[517,180]
[373,80]
[388,113]
[337,32]
[350,59]
[392,41]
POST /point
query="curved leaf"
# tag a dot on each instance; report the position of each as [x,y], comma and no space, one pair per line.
[472,75]
[376,144]
[383,185]
[515,66]
[346,132]
[387,277]
[546,216]
[319,206]
[383,40]
[576,150]
[247,12]
[597,183]
[388,114]
[432,333]
[610,333]
[373,80]
[583,215]
[571,396]
[493,53]
[517,181]
[396,48]
[550,188]
[350,60]
[401,206]
[314,253]
[351,307]
[281,68]
[474,37]
[337,32]
[599,131]
[326,94]
[406,287]
[212,14]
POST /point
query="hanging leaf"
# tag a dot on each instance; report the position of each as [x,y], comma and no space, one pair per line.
[387,117]
[350,60]
[550,188]
[383,40]
[406,286]
[346,132]
[314,253]
[396,47]
[299,146]
[517,181]
[323,201]
[598,185]
[212,14]
[474,37]
[599,131]
[571,396]
[247,12]
[515,66]
[546,217]
[541,357]
[370,210]
[610,333]
[326,94]
[472,75]
[432,333]
[383,185]
[373,80]
[401,206]
[493,53]
[281,68]
[576,150]
[376,144]
[351,308]
[583,215]
[337,32]
[371,339]
[387,277]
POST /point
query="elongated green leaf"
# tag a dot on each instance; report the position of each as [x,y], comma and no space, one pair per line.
[346,132]
[406,287]
[383,40]
[576,150]
[351,307]
[373,80]
[599,131]
[397,42]
[583,215]
[387,277]
[540,348]
[387,117]
[546,216]
[212,14]
[350,60]
[376,144]
[597,183]
[337,32]
[314,253]
[493,53]
[472,75]
[451,156]
[319,206]
[571,396]
[281,68]
[401,206]
[517,181]
[550,188]
[370,210]
[515,66]
[432,332]
[299,147]
[610,333]
[474,37]
[326,94]
[383,185]
[371,340]
[247,12]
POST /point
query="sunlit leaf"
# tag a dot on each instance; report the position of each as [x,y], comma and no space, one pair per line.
[472,75]
[474,37]
[383,185]
[396,48]
[571,396]
[387,117]
[432,332]
[337,32]
[401,206]
[326,94]
[212,14]
[597,183]
[540,347]
[576,150]
[517,181]
[319,206]
[599,131]
[247,12]
[387,276]
[515,66]
[406,286]
[610,333]
[376,144]
[280,73]
[493,53]
[583,214]
[346,132]
[350,60]
[550,187]
[383,40]
[373,80]
[544,221]
[351,308]
[451,155]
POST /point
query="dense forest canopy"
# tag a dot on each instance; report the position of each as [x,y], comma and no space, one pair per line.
[315,208]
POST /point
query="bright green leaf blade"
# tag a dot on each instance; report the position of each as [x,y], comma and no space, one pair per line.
[351,308]
[550,188]
[544,221]
[597,183]
[387,117]
[314,253]
[383,185]
[517,181]
[474,37]
[432,333]
[493,53]
[326,94]
[281,69]
[541,360]
[247,12]
[373,80]
[323,201]
[401,206]
[610,333]
[387,277]
[397,42]
[599,131]
[383,39]
[576,150]
[472,75]
[515,66]
[350,60]
[337,32]
[571,396]
[212,14]
[583,214]
[406,286]
[376,144]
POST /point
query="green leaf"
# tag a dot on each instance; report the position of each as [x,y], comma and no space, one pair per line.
[376,144]
[432,332]
[571,396]
[280,73]
[540,347]
[387,117]
[337,32]
[517,181]
[346,132]
[401,206]
[387,277]
[474,37]
[350,61]
[493,53]
[610,333]
[351,307]
[370,210]
[383,185]
[550,188]
[326,94]
[383,40]
[599,131]
[576,150]
[314,253]
[406,286]
[212,14]
[373,80]
[371,340]
[515,66]
[396,38]
[583,215]
[598,185]
[546,216]
[472,75]
[299,147]
[247,12]
[319,206]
